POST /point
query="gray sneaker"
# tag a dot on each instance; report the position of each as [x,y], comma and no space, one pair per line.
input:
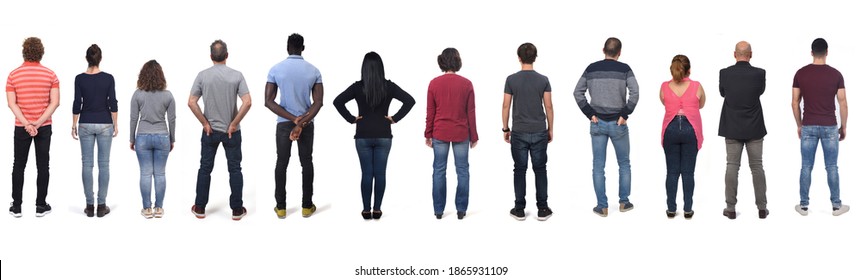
[803,209]
[840,210]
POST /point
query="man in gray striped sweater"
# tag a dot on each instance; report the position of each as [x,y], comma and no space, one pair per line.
[609,82]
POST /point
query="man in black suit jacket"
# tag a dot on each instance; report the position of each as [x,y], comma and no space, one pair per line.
[742,123]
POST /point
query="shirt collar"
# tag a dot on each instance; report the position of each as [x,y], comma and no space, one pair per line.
[31,63]
[294,56]
[745,63]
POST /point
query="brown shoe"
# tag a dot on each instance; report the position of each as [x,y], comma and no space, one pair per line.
[90,210]
[731,214]
[763,213]
[102,210]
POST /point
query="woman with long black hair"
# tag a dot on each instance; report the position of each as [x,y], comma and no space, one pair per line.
[373,95]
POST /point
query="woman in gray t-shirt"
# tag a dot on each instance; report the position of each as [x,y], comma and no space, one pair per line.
[151,136]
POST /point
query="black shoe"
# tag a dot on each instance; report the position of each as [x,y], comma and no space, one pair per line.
[90,210]
[544,213]
[376,214]
[518,214]
[438,216]
[238,213]
[763,213]
[102,210]
[729,214]
[43,210]
[366,215]
[460,215]
[671,215]
[14,210]
[689,215]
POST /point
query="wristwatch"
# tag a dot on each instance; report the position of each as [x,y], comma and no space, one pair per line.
[506,130]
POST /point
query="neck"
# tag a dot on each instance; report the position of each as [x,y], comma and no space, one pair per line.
[524,66]
[611,57]
[93,70]
[743,60]
[220,63]
[449,72]
[819,60]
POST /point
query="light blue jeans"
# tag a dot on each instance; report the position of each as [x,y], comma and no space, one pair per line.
[811,136]
[90,135]
[440,163]
[618,134]
[152,151]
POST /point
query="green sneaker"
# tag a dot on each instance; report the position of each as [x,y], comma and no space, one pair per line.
[307,212]
[282,213]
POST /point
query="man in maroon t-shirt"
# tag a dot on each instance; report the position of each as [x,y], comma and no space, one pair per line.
[817,84]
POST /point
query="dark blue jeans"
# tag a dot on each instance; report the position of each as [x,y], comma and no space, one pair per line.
[233,151]
[680,148]
[524,145]
[373,158]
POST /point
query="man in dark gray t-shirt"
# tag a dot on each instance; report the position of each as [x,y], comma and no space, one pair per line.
[532,130]
[219,86]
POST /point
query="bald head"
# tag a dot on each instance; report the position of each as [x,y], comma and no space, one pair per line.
[743,51]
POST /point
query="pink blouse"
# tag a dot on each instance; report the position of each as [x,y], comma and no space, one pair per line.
[689,102]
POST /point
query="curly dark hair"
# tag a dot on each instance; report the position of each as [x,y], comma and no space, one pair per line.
[33,49]
[151,77]
[527,53]
[449,60]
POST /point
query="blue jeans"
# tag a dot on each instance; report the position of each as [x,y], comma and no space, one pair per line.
[680,149]
[373,157]
[91,134]
[601,132]
[440,163]
[152,151]
[233,151]
[524,145]
[811,135]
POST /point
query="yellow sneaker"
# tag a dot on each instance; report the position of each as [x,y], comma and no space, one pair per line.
[282,213]
[307,212]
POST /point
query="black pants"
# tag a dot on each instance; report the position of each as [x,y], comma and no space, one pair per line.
[284,146]
[22,152]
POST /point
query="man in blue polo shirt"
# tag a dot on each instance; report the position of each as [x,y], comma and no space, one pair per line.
[301,98]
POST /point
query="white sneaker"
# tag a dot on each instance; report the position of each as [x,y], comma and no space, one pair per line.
[839,211]
[803,210]
[147,213]
[159,212]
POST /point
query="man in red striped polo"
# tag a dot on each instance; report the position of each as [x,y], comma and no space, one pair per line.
[33,93]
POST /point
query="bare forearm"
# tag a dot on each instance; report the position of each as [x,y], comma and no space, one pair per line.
[844,113]
[796,111]
[195,109]
[48,112]
[113,119]
[278,110]
[243,110]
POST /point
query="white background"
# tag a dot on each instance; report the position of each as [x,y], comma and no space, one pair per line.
[573,244]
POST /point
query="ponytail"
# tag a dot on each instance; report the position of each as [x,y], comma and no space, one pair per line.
[680,67]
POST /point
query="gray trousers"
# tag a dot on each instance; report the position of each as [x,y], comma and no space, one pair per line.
[733,161]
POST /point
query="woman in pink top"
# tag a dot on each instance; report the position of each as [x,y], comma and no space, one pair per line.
[682,132]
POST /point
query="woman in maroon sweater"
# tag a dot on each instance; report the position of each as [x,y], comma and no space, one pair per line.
[450,124]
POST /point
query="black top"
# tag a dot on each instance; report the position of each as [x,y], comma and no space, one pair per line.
[95,98]
[741,116]
[373,123]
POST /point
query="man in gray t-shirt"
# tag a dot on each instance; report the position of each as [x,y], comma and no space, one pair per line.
[532,130]
[219,86]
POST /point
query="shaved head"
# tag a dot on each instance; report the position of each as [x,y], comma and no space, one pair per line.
[743,51]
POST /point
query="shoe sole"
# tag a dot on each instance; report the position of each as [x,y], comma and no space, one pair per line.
[39,215]
[544,218]
[625,210]
[518,218]
[237,218]
[600,214]
[16,215]
[145,216]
